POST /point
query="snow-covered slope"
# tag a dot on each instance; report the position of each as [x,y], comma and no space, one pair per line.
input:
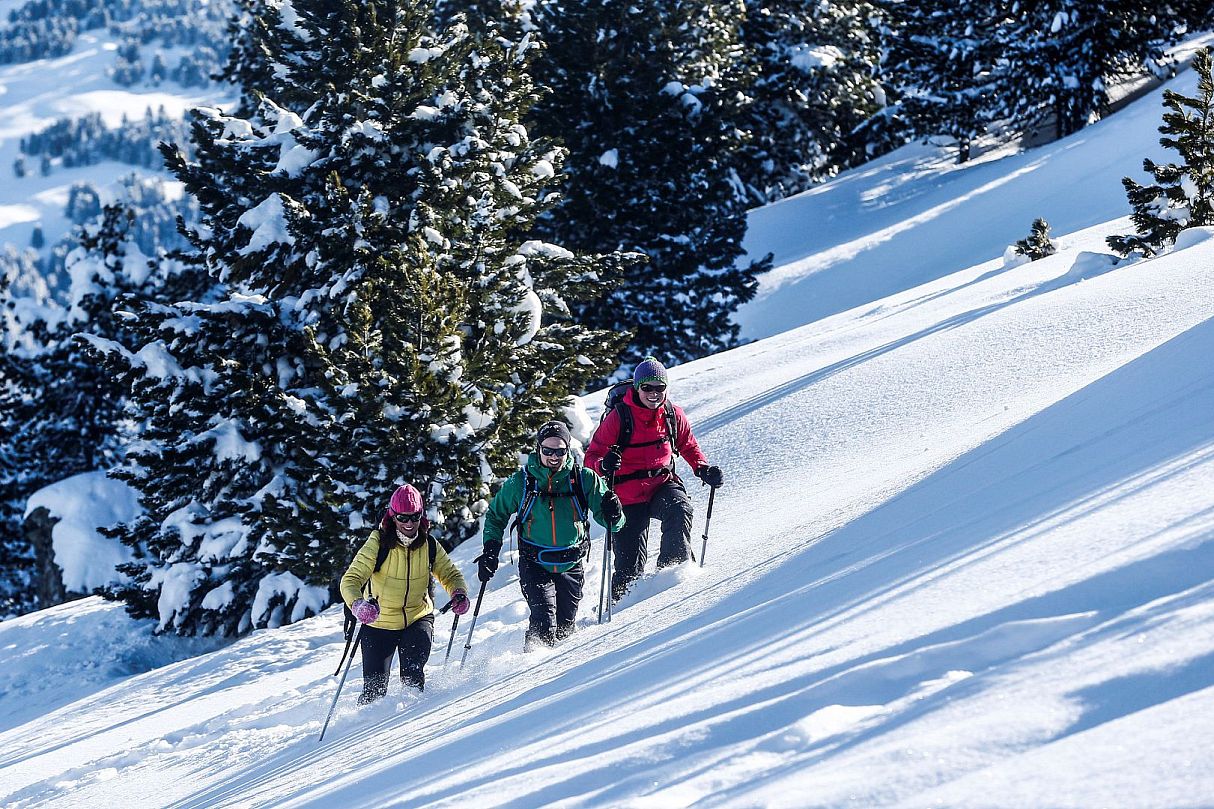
[963,558]
[33,95]
[914,216]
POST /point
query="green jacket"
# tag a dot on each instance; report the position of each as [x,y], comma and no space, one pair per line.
[553,521]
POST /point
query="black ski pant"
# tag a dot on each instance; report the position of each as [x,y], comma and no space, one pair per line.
[553,599]
[671,505]
[378,645]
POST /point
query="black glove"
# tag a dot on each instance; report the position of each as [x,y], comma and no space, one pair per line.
[612,509]
[611,462]
[712,475]
[486,563]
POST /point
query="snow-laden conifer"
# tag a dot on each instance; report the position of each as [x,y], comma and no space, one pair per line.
[650,98]
[1058,59]
[1038,243]
[1182,194]
[939,62]
[375,318]
[815,85]
[62,412]
[967,67]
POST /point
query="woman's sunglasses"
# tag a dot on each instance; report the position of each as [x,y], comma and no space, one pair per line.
[653,388]
[402,518]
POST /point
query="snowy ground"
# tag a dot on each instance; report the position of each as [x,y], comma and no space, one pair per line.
[963,558]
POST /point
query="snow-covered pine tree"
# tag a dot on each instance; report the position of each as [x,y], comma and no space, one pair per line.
[1038,243]
[512,18]
[1182,195]
[62,412]
[1059,57]
[816,66]
[259,35]
[376,318]
[16,555]
[940,63]
[649,97]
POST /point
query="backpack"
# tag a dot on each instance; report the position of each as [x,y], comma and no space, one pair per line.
[581,506]
[381,555]
[615,401]
[531,492]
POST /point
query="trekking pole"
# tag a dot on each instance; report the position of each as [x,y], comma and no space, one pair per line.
[475,612]
[340,684]
[346,651]
[451,640]
[605,588]
[707,519]
[609,565]
[603,594]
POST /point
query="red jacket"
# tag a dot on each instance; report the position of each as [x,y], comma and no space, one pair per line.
[648,427]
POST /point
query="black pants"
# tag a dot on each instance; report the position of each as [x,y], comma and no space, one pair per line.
[671,505]
[553,599]
[378,646]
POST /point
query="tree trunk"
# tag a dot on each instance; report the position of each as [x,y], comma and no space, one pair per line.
[48,579]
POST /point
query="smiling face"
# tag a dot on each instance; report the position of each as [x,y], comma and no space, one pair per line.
[651,394]
[553,450]
[407,525]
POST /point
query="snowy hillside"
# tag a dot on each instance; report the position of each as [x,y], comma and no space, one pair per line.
[863,237]
[962,559]
[82,85]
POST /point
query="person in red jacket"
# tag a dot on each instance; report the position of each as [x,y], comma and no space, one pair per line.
[642,472]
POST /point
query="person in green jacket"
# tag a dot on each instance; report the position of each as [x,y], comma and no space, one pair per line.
[549,498]
[389,593]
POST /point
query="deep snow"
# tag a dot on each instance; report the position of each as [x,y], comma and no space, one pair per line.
[962,558]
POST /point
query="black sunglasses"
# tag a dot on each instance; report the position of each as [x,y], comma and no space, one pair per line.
[653,388]
[408,517]
[556,451]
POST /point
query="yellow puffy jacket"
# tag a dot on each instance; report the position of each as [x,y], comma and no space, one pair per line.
[402,584]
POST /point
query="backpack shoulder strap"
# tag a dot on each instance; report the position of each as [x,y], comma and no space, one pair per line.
[381,555]
[433,543]
[580,501]
[624,437]
[530,492]
[672,425]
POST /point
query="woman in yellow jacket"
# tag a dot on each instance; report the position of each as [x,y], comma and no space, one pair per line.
[392,599]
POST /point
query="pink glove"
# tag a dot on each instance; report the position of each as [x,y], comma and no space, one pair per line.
[367,612]
[459,602]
